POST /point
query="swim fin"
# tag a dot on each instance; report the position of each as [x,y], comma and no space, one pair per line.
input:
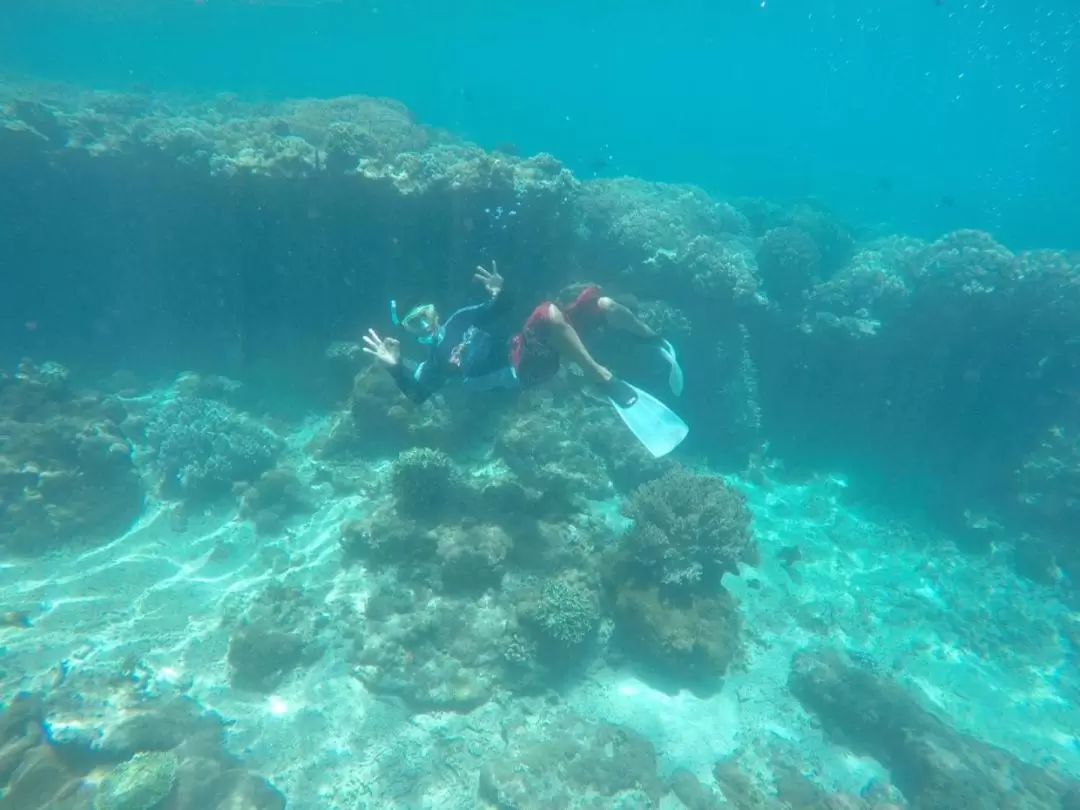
[675,375]
[656,426]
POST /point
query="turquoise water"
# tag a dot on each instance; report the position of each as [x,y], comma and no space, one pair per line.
[811,547]
[919,115]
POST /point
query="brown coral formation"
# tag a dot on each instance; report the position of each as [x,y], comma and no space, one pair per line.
[66,470]
[38,775]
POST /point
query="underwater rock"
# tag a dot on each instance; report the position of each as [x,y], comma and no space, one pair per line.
[158,725]
[739,790]
[694,795]
[935,766]
[32,775]
[259,655]
[627,463]
[140,783]
[508,501]
[112,713]
[204,784]
[147,743]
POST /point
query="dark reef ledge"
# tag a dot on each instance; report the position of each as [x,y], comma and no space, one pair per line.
[150,233]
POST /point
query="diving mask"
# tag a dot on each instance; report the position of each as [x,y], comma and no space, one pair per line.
[420,321]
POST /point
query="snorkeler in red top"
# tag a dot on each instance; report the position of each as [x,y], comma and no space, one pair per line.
[463,350]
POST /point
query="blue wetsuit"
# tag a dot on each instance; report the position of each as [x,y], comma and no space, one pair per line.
[464,351]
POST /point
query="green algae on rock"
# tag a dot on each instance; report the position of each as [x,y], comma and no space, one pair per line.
[140,783]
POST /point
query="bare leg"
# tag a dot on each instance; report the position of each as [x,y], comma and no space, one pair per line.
[620,317]
[567,342]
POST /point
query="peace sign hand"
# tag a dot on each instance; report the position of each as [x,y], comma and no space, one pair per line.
[386,350]
[490,279]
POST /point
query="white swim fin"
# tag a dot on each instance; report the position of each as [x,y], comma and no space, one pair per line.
[675,375]
[656,426]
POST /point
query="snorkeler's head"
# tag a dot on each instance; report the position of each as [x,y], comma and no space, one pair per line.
[422,322]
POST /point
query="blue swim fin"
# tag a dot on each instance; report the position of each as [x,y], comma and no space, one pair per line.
[675,375]
[657,426]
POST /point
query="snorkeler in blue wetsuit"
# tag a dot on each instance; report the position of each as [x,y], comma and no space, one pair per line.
[463,350]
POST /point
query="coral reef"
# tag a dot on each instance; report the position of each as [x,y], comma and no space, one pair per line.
[562,616]
[936,767]
[181,766]
[381,422]
[277,633]
[689,529]
[202,447]
[273,498]
[436,654]
[66,469]
[687,641]
[789,263]
[427,486]
[576,764]
[544,452]
[482,556]
[877,389]
[472,558]
[384,538]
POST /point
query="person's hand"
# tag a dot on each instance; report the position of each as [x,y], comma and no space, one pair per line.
[490,279]
[386,350]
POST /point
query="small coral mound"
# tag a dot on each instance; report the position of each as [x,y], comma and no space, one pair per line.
[277,634]
[426,484]
[563,616]
[271,500]
[544,450]
[789,262]
[141,783]
[692,641]
[688,531]
[834,242]
[434,653]
[381,422]
[203,447]
[474,558]
[384,538]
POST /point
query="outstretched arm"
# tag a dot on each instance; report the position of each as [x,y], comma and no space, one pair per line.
[499,303]
[417,382]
